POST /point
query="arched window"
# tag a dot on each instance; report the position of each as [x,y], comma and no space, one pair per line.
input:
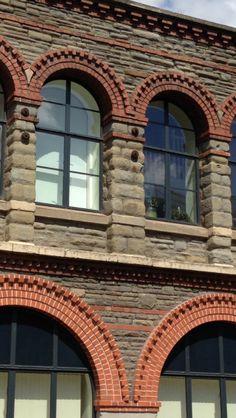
[232,163]
[199,376]
[170,168]
[2,132]
[68,147]
[43,371]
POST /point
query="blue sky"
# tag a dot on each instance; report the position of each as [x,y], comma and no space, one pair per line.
[220,11]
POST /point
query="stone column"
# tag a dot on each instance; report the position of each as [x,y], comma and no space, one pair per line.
[215,200]
[123,188]
[19,173]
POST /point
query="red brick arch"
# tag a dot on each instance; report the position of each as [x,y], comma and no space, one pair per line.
[99,77]
[177,323]
[88,327]
[12,68]
[174,82]
[228,112]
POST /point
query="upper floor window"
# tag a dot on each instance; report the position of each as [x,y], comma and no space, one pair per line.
[232,162]
[2,130]
[170,169]
[68,147]
[199,376]
[43,370]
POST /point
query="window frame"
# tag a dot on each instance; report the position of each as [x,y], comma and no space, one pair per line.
[66,135]
[232,163]
[52,370]
[168,152]
[221,377]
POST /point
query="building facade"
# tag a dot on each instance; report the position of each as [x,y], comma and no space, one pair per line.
[117,212]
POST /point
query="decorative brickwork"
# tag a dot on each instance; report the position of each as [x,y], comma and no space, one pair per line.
[194,312]
[228,111]
[148,19]
[94,336]
[96,74]
[173,82]
[13,67]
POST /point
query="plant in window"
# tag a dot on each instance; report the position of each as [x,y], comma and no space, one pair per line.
[180,215]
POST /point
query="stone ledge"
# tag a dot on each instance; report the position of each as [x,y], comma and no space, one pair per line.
[116,258]
[176,229]
[71,215]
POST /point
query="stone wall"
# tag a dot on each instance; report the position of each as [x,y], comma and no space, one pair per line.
[188,57]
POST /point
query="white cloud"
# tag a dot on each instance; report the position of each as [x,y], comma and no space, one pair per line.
[220,11]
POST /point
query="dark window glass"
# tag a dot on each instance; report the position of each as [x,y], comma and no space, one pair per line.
[34,341]
[229,343]
[69,353]
[176,359]
[232,163]
[204,349]
[5,336]
[171,162]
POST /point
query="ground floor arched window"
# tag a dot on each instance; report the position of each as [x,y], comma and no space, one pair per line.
[199,376]
[44,372]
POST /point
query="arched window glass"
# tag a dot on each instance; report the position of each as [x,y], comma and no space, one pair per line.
[232,163]
[170,169]
[68,147]
[43,371]
[2,131]
[199,376]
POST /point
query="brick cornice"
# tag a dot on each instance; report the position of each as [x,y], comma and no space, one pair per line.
[181,320]
[150,19]
[57,266]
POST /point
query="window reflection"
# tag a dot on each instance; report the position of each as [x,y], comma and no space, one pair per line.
[170,161]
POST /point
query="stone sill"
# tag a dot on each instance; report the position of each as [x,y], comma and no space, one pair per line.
[194,231]
[129,259]
[71,215]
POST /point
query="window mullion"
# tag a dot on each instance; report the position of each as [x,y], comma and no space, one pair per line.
[67,140]
[11,394]
[53,395]
[188,388]
[223,400]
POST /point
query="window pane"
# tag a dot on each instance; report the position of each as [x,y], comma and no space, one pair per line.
[5,335]
[154,168]
[51,116]
[233,191]
[176,359]
[50,150]
[32,395]
[81,97]
[49,186]
[204,349]
[84,191]
[232,149]
[85,156]
[155,201]
[3,394]
[182,172]
[229,344]
[183,205]
[231,398]
[233,127]
[177,117]
[2,108]
[54,91]
[68,396]
[155,111]
[182,141]
[84,122]
[70,354]
[34,333]
[172,397]
[86,397]
[155,135]
[205,398]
